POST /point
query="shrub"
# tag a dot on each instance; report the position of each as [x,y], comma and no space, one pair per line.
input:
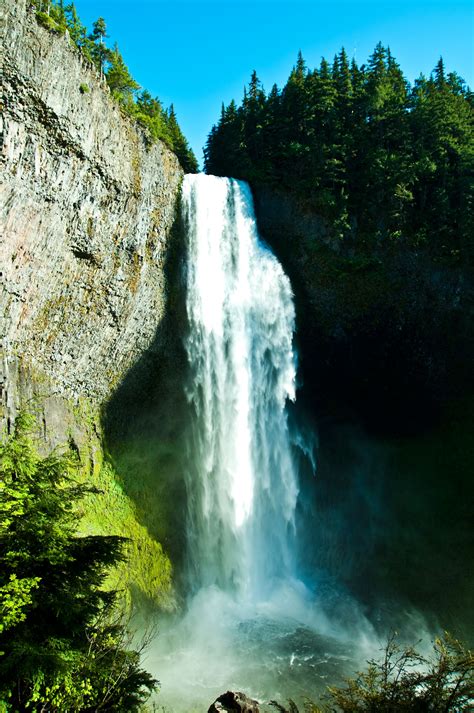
[404,681]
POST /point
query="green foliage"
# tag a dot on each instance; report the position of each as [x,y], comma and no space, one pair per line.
[150,114]
[180,144]
[382,162]
[84,88]
[121,83]
[62,644]
[15,596]
[405,681]
[147,111]
[147,569]
[49,23]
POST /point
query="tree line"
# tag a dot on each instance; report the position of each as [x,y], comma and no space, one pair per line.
[382,161]
[160,122]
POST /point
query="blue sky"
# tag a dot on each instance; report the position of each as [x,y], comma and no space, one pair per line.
[198,53]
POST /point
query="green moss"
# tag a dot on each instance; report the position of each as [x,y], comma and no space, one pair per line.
[47,22]
[136,172]
[147,570]
[135,272]
[55,307]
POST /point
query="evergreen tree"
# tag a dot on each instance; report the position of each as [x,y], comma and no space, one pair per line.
[62,647]
[355,145]
[74,25]
[98,49]
[121,83]
[296,112]
[253,108]
[180,145]
[148,112]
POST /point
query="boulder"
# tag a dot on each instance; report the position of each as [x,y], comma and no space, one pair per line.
[234,702]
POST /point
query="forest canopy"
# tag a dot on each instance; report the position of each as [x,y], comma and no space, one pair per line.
[381,160]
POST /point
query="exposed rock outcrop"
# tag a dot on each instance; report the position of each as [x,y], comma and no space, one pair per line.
[231,702]
[87,209]
[87,212]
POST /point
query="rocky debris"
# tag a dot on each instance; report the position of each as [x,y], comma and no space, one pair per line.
[234,702]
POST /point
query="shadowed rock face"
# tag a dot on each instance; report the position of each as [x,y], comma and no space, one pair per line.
[386,334]
[231,702]
[86,210]
[386,343]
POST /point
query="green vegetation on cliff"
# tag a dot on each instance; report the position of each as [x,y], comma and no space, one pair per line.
[381,161]
[63,645]
[146,110]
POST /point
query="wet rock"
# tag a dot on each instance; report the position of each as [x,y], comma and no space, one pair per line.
[234,702]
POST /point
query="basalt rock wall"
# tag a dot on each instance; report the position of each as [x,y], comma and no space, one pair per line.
[87,210]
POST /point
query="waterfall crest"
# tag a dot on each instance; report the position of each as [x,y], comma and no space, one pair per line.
[242,484]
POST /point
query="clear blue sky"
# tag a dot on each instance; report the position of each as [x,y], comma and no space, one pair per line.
[198,53]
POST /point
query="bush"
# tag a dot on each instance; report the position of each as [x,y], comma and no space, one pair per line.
[49,23]
[404,681]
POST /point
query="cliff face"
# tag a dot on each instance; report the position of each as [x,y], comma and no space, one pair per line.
[386,343]
[389,325]
[87,210]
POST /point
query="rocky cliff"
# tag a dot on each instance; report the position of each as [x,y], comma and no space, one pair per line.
[386,342]
[87,211]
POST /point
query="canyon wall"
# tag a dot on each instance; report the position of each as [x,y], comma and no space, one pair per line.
[386,346]
[87,210]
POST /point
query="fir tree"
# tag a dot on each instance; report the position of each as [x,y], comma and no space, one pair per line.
[357,146]
[62,647]
[98,48]
[180,145]
[121,83]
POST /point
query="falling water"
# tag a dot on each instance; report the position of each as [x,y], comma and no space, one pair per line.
[250,623]
[242,484]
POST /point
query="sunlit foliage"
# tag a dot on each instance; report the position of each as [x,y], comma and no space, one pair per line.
[382,161]
[63,645]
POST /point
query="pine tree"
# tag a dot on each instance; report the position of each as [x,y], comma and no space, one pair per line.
[77,31]
[253,109]
[62,647]
[98,48]
[355,145]
[121,83]
[180,145]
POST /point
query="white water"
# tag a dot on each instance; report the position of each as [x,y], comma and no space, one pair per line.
[242,484]
[250,624]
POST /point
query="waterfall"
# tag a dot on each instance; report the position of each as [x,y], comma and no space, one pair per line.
[250,622]
[241,479]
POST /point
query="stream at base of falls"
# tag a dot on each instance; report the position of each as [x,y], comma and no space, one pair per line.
[284,647]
